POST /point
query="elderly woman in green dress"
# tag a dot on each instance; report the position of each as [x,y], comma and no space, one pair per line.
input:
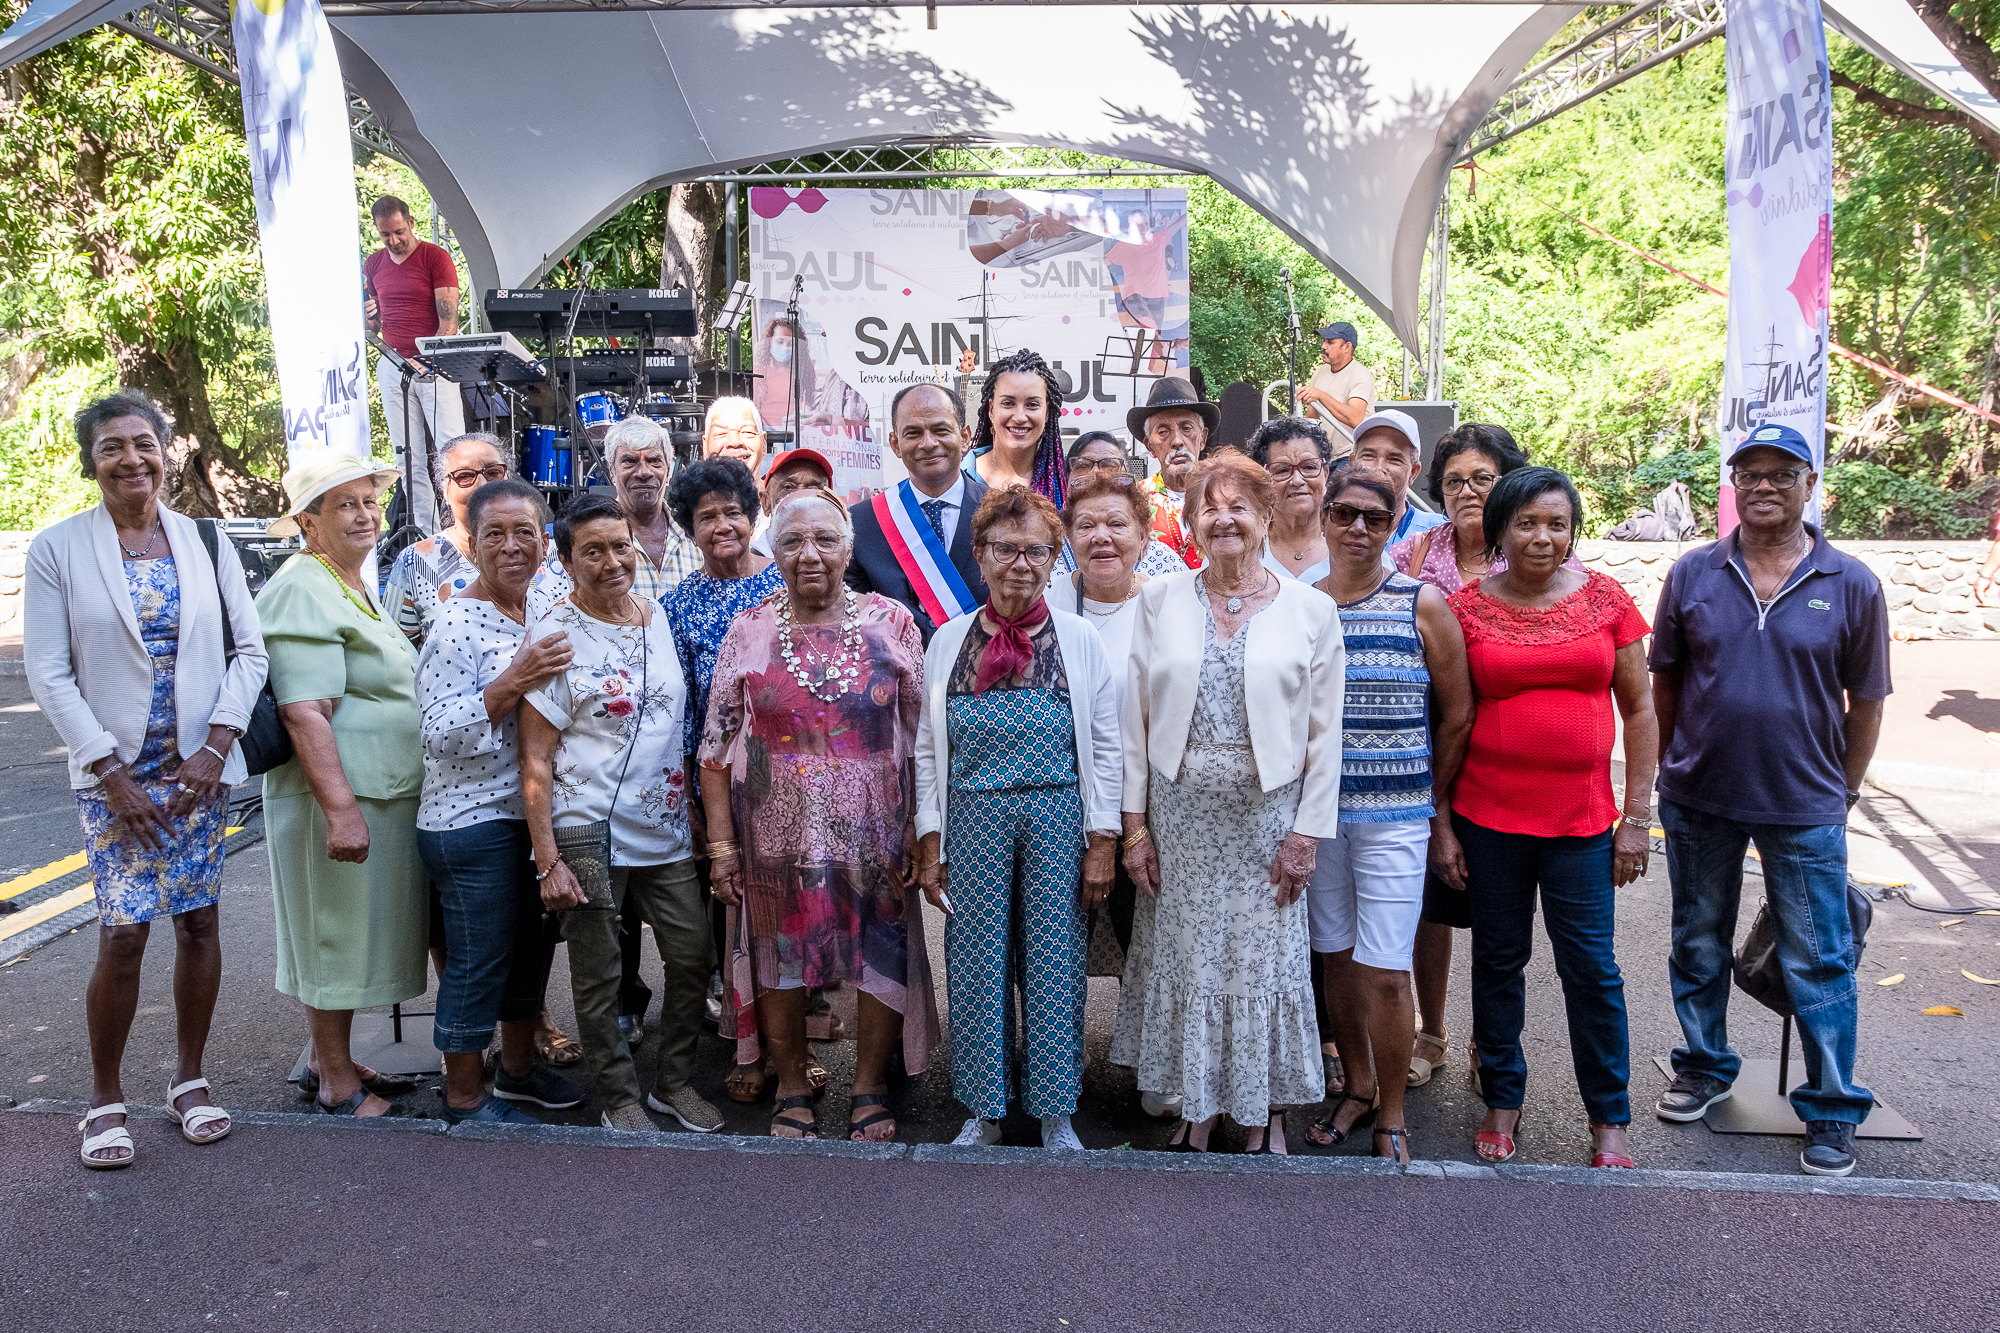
[342,814]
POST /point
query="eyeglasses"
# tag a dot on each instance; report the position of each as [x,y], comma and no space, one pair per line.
[826,543]
[1007,553]
[1781,480]
[1479,482]
[1310,470]
[467,478]
[1082,465]
[1343,516]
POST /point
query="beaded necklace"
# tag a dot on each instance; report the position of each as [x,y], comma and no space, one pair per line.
[364,608]
[846,661]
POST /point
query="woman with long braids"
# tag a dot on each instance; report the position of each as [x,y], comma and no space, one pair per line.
[1017,440]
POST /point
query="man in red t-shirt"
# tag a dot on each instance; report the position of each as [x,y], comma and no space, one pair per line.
[410,291]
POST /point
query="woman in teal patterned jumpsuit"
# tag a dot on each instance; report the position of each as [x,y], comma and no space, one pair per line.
[1018,778]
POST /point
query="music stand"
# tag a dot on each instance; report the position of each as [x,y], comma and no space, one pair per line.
[1757,1102]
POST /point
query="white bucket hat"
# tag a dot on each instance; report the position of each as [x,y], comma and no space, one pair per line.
[316,473]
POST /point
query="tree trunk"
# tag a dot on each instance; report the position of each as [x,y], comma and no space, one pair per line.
[690,256]
[206,477]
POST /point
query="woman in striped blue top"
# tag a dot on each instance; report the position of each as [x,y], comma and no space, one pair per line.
[1404,646]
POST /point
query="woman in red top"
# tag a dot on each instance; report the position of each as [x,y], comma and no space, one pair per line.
[1550,649]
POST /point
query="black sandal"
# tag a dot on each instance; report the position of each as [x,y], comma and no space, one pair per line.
[807,1130]
[352,1106]
[386,1086]
[857,1129]
[1399,1145]
[1186,1144]
[1334,1136]
[1264,1149]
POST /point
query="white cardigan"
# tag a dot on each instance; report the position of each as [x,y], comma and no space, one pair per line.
[1093,703]
[88,666]
[1294,683]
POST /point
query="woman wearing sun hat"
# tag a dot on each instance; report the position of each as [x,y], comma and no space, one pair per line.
[341,816]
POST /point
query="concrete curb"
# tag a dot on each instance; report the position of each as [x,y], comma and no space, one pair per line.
[1936,777]
[1117,1159]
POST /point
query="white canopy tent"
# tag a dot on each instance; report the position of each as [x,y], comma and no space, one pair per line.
[1339,122]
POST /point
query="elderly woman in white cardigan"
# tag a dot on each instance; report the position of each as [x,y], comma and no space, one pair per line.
[1232,775]
[1018,774]
[124,649]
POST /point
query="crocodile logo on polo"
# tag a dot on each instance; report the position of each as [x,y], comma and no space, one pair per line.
[1817,605]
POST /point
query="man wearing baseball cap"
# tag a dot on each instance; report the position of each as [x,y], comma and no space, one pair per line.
[1770,662]
[1389,444]
[1341,391]
[792,470]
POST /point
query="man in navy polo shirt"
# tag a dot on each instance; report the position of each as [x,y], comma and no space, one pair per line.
[1770,663]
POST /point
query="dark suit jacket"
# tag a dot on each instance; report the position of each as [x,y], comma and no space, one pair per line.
[874,567]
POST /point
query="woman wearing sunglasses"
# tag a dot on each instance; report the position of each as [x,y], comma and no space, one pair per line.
[1368,879]
[427,573]
[1019,772]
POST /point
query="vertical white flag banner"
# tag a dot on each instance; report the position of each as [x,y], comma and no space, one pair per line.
[1780,198]
[302,169]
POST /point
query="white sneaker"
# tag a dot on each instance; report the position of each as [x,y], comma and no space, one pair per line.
[1160,1106]
[1058,1134]
[978,1134]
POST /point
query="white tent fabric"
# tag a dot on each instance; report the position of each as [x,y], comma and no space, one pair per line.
[1331,121]
[1337,122]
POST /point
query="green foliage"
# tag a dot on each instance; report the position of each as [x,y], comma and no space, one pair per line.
[1869,502]
[39,480]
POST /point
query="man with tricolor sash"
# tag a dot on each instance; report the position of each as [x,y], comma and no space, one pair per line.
[913,542]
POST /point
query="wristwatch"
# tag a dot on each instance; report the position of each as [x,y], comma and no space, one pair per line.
[1852,797]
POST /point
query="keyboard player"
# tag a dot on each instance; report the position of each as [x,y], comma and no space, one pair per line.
[410,288]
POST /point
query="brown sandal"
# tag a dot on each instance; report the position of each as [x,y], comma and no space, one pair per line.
[748,1084]
[557,1048]
[816,1075]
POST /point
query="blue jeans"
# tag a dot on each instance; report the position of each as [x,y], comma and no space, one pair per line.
[1578,909]
[1805,881]
[497,950]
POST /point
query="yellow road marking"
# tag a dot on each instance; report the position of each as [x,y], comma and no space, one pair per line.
[43,911]
[34,879]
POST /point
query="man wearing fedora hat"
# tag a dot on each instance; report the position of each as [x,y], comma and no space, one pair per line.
[1341,391]
[1175,424]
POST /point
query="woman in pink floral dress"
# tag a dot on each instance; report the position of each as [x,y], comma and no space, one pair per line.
[808,780]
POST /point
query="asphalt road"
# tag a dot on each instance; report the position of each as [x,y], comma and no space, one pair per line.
[282,1228]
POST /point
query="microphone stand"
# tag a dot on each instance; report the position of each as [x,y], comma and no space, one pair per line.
[574,425]
[1292,343]
[798,346]
[409,532]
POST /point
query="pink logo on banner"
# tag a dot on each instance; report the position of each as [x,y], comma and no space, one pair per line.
[1809,285]
[767,201]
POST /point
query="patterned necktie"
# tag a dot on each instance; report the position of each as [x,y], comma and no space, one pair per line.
[934,511]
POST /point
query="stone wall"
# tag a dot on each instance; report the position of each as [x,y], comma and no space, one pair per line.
[1929,584]
[13,566]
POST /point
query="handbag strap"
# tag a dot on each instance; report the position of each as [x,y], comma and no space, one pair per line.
[1420,547]
[638,722]
[210,541]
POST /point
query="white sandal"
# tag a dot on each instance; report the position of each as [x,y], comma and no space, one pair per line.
[197,1116]
[110,1138]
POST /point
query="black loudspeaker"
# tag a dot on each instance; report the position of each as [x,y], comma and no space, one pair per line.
[1242,412]
[1434,421]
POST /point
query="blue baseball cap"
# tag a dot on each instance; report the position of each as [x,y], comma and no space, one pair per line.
[1340,328]
[1782,438]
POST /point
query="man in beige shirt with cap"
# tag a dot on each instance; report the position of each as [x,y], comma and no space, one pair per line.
[1341,391]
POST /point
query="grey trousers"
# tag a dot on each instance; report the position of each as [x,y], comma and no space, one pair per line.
[670,899]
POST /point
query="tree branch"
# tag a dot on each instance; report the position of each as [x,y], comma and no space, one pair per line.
[1898,109]
[1979,59]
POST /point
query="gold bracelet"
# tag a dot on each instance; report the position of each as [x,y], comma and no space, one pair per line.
[718,850]
[1134,838]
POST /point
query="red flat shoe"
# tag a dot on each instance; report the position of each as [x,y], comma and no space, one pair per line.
[1493,1138]
[1613,1159]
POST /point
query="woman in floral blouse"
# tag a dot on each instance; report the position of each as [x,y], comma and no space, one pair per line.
[602,742]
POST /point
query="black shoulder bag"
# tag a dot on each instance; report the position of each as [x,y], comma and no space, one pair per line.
[266,744]
[586,848]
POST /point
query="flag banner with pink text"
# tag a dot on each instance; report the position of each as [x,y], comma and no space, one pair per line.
[1780,199]
[302,173]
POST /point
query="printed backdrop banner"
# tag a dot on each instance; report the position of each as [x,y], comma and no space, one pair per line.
[302,170]
[898,287]
[1780,196]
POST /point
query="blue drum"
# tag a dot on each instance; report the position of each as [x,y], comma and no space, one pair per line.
[546,458]
[595,413]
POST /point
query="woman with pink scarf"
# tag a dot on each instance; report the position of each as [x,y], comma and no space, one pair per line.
[1019,772]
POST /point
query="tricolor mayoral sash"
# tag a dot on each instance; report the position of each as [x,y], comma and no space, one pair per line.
[920,552]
